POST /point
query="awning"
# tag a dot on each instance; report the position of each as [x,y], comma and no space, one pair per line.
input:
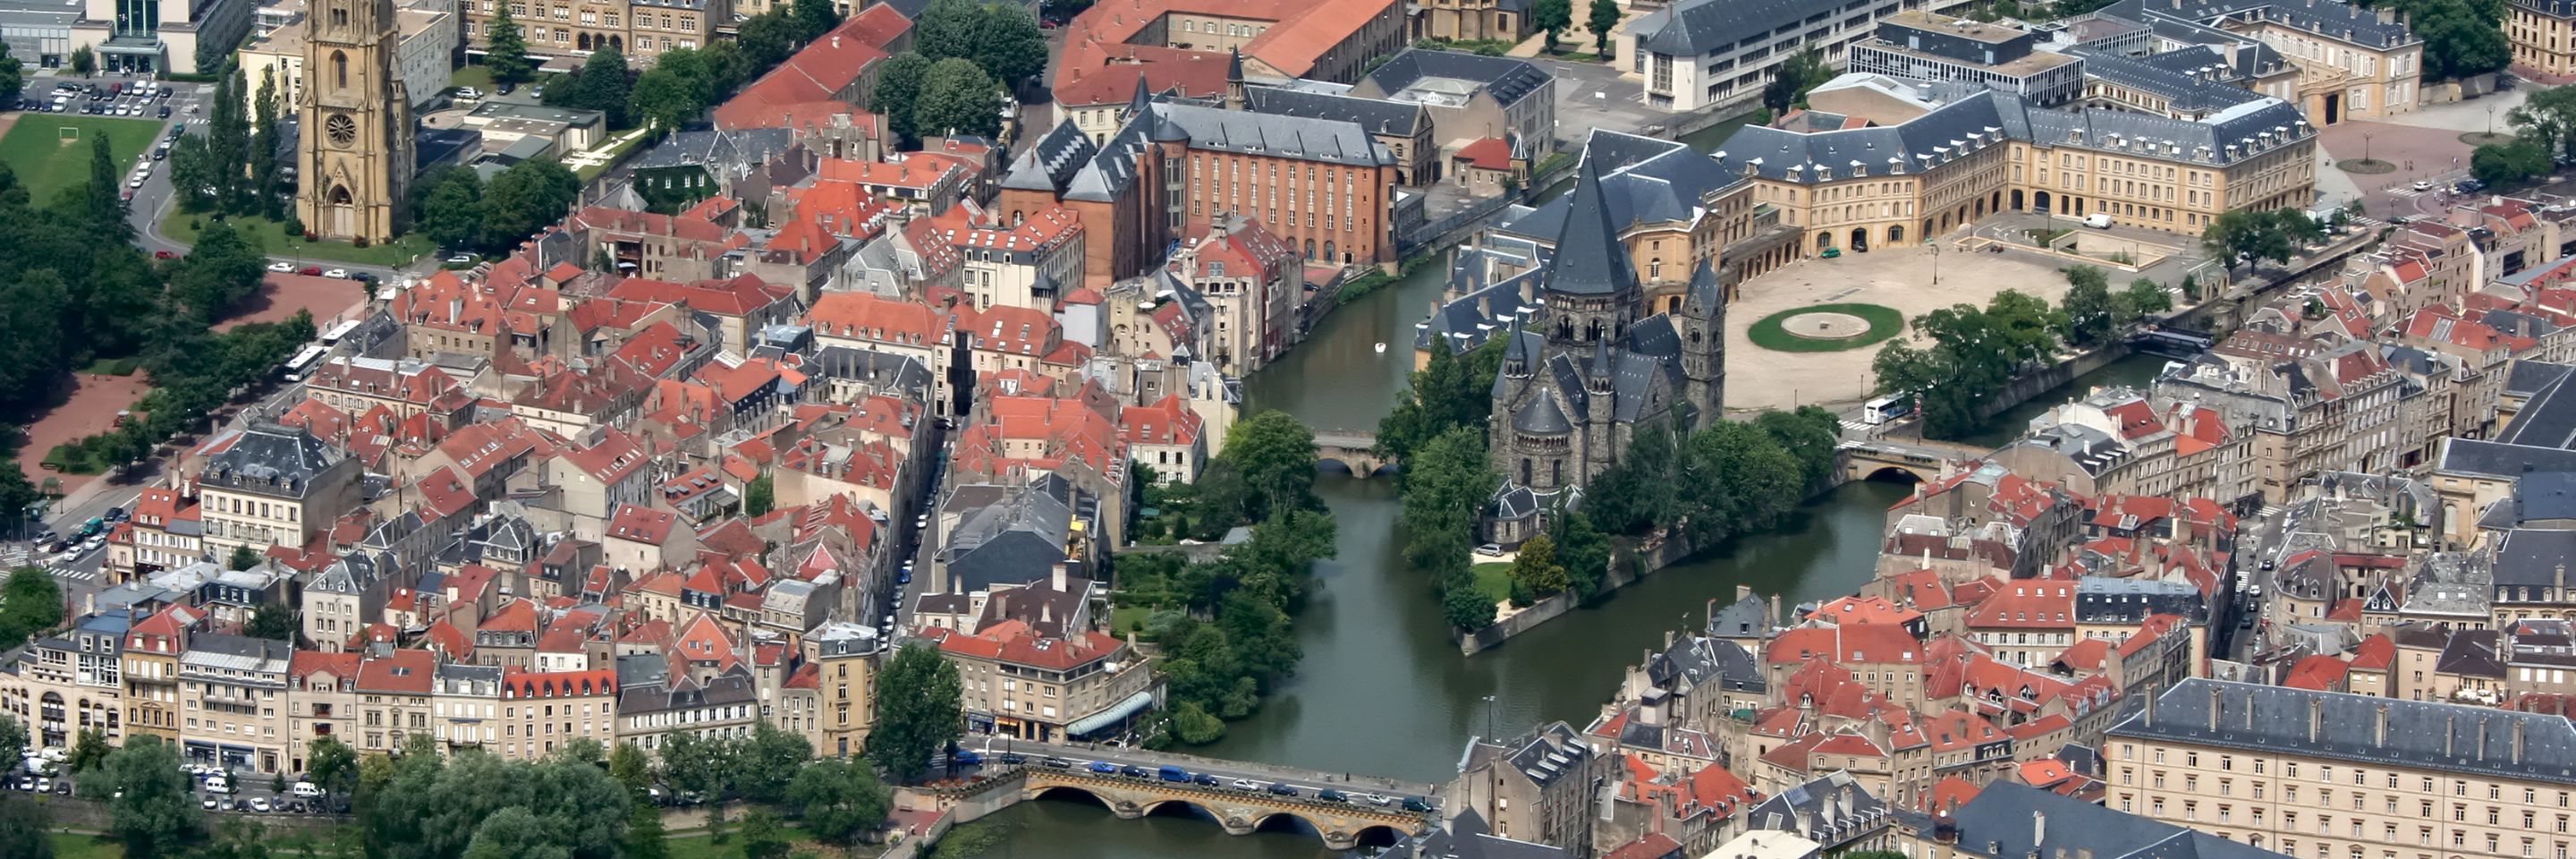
[1116,713]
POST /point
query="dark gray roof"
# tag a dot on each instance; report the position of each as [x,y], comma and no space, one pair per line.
[2016,820]
[1505,78]
[1376,115]
[2544,495]
[2533,557]
[717,148]
[2548,420]
[1696,27]
[1589,259]
[1748,617]
[2499,459]
[1830,809]
[2425,735]
[2471,653]
[2348,22]
[2102,599]
[2530,377]
[2154,74]
[273,460]
[1989,118]
[882,371]
[1325,140]
[1468,837]
[1696,660]
[1543,418]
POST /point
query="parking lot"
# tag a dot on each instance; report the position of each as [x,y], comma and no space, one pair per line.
[42,772]
[143,99]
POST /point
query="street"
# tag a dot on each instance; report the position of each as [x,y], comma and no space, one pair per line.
[1308,784]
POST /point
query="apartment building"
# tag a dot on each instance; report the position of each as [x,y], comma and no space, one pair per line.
[1933,167]
[845,683]
[465,705]
[1324,187]
[394,691]
[2308,407]
[1698,53]
[62,684]
[1048,685]
[151,670]
[1539,786]
[2336,775]
[641,29]
[271,485]
[2353,62]
[233,696]
[1326,40]
[2543,35]
[321,701]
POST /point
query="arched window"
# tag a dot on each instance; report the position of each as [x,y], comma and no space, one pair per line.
[1525,471]
[340,68]
[1556,472]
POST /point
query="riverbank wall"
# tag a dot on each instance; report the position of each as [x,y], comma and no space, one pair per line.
[1628,565]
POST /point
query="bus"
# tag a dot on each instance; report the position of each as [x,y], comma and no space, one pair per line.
[297,366]
[338,331]
[1883,409]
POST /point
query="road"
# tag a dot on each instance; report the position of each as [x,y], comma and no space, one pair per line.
[1307,782]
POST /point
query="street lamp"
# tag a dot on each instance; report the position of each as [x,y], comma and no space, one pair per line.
[1936,260]
[2365,146]
[1489,717]
[2490,120]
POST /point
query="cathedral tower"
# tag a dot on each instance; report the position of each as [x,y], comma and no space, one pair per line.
[353,151]
[1702,328]
[1591,285]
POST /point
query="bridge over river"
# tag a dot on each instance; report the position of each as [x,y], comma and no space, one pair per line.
[1246,797]
[1356,450]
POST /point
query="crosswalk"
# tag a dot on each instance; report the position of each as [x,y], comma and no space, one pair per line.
[70,573]
[1853,427]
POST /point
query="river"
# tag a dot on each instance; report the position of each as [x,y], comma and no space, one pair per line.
[1382,689]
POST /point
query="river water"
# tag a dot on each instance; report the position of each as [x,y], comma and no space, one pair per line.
[1382,689]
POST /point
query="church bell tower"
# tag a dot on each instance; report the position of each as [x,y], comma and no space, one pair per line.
[353,151]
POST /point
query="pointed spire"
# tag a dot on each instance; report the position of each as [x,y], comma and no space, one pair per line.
[1589,259]
[1137,104]
[1234,94]
[1705,291]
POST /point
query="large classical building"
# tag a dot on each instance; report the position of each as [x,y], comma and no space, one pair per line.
[354,155]
[2337,775]
[641,29]
[2543,35]
[1325,187]
[2353,62]
[1929,166]
[1696,54]
[1593,361]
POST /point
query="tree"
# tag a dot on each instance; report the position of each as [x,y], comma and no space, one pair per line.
[898,87]
[764,762]
[150,810]
[700,765]
[1536,567]
[106,211]
[663,100]
[1451,390]
[2143,297]
[84,61]
[947,29]
[26,827]
[506,49]
[644,834]
[2462,38]
[761,838]
[31,602]
[813,18]
[526,198]
[631,767]
[2087,305]
[839,801]
[2547,118]
[957,97]
[1604,18]
[1447,482]
[228,138]
[13,76]
[35,311]
[332,765]
[263,147]
[1809,434]
[918,711]
[601,86]
[513,832]
[1791,80]
[1552,17]
[448,207]
[89,750]
[1276,456]
[759,496]
[1583,550]
[242,558]
[769,38]
[273,621]
[2509,163]
[1008,44]
[1465,607]
[13,738]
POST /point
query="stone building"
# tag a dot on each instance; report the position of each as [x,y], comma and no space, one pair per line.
[272,485]
[1599,362]
[1537,787]
[354,155]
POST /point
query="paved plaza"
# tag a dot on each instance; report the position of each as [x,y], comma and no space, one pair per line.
[1901,278]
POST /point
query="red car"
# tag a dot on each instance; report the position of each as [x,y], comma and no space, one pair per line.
[312,270]
[164,255]
[1046,25]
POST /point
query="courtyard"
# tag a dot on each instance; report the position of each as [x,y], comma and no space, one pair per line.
[1900,278]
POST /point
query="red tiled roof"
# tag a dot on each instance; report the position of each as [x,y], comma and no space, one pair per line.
[403,672]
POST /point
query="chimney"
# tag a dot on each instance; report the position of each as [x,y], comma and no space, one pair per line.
[2214,701]
[2380,736]
[2038,829]
[2450,733]
[2517,740]
[2316,718]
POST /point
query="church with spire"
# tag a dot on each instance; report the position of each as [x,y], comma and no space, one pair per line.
[1592,358]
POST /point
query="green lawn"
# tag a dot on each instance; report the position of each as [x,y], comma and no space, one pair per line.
[1128,618]
[46,163]
[1495,579]
[1884,322]
[696,845]
[478,77]
[74,846]
[182,227]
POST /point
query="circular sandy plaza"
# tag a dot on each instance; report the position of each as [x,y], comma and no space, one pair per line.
[1800,300]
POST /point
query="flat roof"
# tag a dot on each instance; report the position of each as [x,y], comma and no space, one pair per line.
[1992,34]
[2024,66]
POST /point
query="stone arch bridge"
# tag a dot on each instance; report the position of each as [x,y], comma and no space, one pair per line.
[1919,461]
[1343,825]
[1355,450]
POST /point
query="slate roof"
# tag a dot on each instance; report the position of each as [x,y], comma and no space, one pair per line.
[1328,141]
[2448,738]
[739,149]
[1695,661]
[1748,617]
[1376,115]
[1696,27]
[2547,420]
[882,371]
[2101,599]
[1505,78]
[2532,557]
[272,460]
[2151,74]
[1589,258]
[1988,118]
[1468,837]
[2013,820]
[2499,459]
[2349,22]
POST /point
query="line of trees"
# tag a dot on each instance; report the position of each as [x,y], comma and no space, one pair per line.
[1967,353]
[1227,625]
[966,55]
[2091,314]
[2251,236]
[231,168]
[453,207]
[2462,38]
[1745,475]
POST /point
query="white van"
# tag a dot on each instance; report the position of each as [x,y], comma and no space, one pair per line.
[2098,220]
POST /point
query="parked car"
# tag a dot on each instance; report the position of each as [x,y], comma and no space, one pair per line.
[164,111]
[967,758]
[306,789]
[310,271]
[282,267]
[259,804]
[340,273]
